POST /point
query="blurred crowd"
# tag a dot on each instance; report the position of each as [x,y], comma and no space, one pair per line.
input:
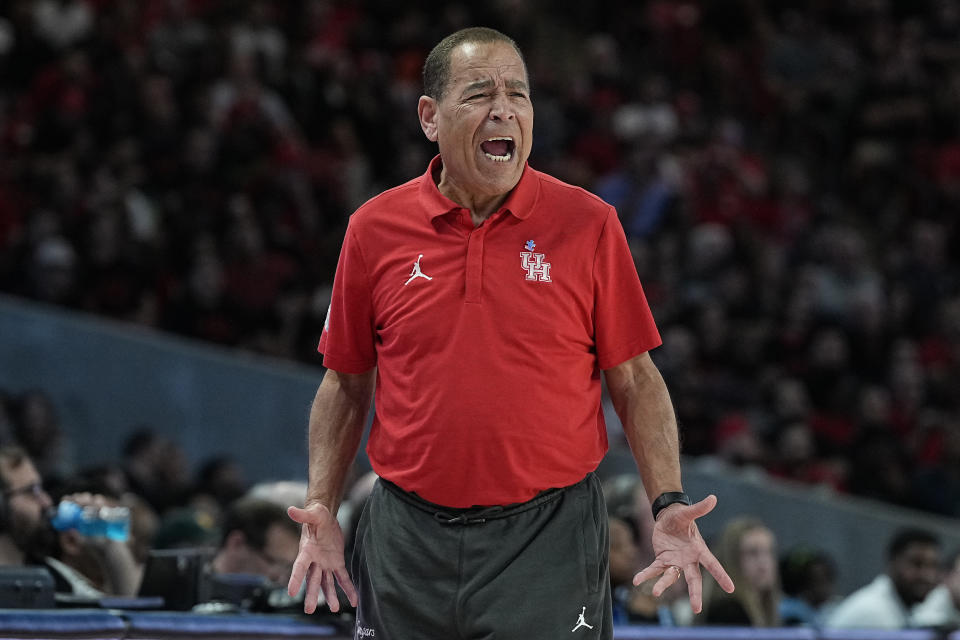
[916,586]
[788,175]
[243,534]
[239,530]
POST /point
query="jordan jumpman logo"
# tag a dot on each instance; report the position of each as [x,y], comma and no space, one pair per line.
[416,273]
[581,621]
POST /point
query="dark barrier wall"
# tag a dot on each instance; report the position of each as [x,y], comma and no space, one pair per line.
[106,378]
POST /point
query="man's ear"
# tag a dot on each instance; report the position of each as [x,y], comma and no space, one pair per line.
[427,110]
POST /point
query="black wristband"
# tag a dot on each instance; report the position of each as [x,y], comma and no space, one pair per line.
[668,498]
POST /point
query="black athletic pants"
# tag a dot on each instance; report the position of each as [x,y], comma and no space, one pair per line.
[532,571]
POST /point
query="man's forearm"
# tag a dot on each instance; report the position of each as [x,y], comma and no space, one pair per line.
[643,404]
[337,419]
[120,569]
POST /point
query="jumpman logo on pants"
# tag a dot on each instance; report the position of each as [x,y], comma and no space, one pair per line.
[581,621]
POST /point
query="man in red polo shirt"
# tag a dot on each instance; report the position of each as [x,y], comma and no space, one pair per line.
[481,301]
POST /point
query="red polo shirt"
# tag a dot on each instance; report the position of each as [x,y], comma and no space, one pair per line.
[488,340]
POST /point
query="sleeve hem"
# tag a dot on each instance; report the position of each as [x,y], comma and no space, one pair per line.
[346,365]
[622,355]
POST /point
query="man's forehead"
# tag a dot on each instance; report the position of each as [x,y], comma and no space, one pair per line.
[6,466]
[485,62]
[919,550]
[19,474]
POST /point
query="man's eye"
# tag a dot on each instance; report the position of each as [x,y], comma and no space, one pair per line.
[476,96]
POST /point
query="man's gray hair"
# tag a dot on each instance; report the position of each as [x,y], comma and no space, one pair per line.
[436,69]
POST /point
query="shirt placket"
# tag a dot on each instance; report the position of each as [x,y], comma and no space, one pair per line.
[476,236]
[474,275]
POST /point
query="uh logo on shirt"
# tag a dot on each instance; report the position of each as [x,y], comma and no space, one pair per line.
[537,269]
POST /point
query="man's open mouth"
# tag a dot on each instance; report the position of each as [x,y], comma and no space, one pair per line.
[499,149]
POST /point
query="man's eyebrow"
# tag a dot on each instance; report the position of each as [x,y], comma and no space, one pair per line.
[479,84]
[486,84]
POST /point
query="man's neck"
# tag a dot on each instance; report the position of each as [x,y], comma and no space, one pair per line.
[904,597]
[10,553]
[481,207]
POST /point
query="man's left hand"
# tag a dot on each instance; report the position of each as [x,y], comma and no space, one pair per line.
[679,548]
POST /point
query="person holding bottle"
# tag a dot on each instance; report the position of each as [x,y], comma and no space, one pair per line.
[82,565]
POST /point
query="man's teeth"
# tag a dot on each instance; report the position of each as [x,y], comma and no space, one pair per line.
[502,158]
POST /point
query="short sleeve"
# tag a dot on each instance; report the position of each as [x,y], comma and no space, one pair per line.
[623,324]
[347,342]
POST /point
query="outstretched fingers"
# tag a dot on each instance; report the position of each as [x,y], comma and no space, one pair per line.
[702,508]
[299,515]
[320,559]
[694,587]
[327,584]
[297,575]
[670,575]
[347,585]
[717,571]
[330,591]
[649,573]
[312,593]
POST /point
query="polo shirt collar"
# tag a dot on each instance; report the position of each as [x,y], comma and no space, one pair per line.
[520,202]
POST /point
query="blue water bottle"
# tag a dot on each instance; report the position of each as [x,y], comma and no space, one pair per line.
[112,523]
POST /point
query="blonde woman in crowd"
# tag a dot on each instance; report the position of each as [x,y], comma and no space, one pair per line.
[747,548]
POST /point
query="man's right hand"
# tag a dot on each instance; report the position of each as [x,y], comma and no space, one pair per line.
[320,559]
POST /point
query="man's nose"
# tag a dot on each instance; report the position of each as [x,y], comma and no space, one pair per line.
[500,108]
